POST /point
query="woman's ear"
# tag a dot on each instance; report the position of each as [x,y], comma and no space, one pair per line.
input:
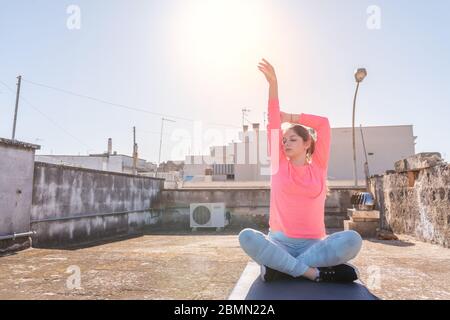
[308,143]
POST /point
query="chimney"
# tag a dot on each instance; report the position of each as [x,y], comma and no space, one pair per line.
[256,130]
[224,154]
[246,143]
[109,146]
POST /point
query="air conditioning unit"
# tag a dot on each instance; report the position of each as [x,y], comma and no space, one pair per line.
[209,215]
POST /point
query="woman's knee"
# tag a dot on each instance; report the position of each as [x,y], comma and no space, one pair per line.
[246,237]
[355,239]
[353,244]
[251,241]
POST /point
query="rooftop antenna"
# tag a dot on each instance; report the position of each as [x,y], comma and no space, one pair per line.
[244,115]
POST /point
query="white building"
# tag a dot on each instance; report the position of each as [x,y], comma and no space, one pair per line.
[108,161]
[115,162]
[240,161]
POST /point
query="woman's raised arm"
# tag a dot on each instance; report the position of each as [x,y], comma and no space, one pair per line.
[274,124]
[269,72]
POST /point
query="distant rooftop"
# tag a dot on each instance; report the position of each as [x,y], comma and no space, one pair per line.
[20,144]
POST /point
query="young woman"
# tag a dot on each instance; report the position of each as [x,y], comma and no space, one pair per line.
[296,243]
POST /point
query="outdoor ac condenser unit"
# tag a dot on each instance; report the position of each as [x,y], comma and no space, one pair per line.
[208,215]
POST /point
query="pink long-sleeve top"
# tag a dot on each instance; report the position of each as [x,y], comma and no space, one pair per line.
[297,197]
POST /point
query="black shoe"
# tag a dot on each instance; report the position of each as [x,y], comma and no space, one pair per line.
[269,274]
[340,273]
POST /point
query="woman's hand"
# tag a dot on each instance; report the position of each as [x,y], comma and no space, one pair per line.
[269,72]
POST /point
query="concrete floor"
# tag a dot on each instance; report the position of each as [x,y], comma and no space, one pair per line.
[204,265]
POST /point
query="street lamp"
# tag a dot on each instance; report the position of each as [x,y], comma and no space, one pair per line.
[360,74]
[160,143]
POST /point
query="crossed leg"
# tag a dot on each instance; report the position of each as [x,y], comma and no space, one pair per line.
[337,248]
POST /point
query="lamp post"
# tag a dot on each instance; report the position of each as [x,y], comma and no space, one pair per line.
[360,74]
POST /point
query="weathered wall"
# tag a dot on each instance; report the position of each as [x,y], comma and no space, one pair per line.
[248,207]
[73,205]
[415,199]
[16,173]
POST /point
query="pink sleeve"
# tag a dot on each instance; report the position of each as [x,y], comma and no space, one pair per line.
[274,126]
[322,127]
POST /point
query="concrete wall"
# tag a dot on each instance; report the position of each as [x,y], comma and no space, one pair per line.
[248,207]
[16,173]
[415,198]
[73,205]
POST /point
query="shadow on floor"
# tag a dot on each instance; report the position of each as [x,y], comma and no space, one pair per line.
[90,244]
[199,232]
[396,243]
[212,231]
[8,253]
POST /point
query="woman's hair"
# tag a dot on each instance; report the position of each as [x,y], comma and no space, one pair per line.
[305,135]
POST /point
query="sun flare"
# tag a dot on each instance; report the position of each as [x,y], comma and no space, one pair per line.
[217,33]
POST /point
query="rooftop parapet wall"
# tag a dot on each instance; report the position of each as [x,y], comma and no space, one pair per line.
[16,173]
[73,205]
[248,207]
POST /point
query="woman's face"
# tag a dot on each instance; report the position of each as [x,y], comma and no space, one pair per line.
[293,144]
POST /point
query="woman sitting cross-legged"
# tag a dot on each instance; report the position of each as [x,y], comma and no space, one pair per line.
[297,244]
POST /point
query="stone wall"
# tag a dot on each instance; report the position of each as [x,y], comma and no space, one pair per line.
[415,198]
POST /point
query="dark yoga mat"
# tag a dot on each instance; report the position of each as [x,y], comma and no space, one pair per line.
[251,287]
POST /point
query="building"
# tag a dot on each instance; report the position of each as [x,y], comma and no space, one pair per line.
[114,162]
[170,165]
[240,161]
[108,161]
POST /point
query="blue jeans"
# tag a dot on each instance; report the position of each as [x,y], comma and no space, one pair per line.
[294,256]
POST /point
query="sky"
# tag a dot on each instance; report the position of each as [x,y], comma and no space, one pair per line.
[94,69]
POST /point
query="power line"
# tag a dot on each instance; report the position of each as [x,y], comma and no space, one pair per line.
[164,134]
[119,105]
[45,116]
[59,126]
[7,87]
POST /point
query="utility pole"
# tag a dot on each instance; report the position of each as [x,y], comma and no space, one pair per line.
[19,81]
[160,142]
[134,152]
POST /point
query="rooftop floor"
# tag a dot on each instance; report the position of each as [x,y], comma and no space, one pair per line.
[204,265]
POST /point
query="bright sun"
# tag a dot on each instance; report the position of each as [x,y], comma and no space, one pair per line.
[218,33]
